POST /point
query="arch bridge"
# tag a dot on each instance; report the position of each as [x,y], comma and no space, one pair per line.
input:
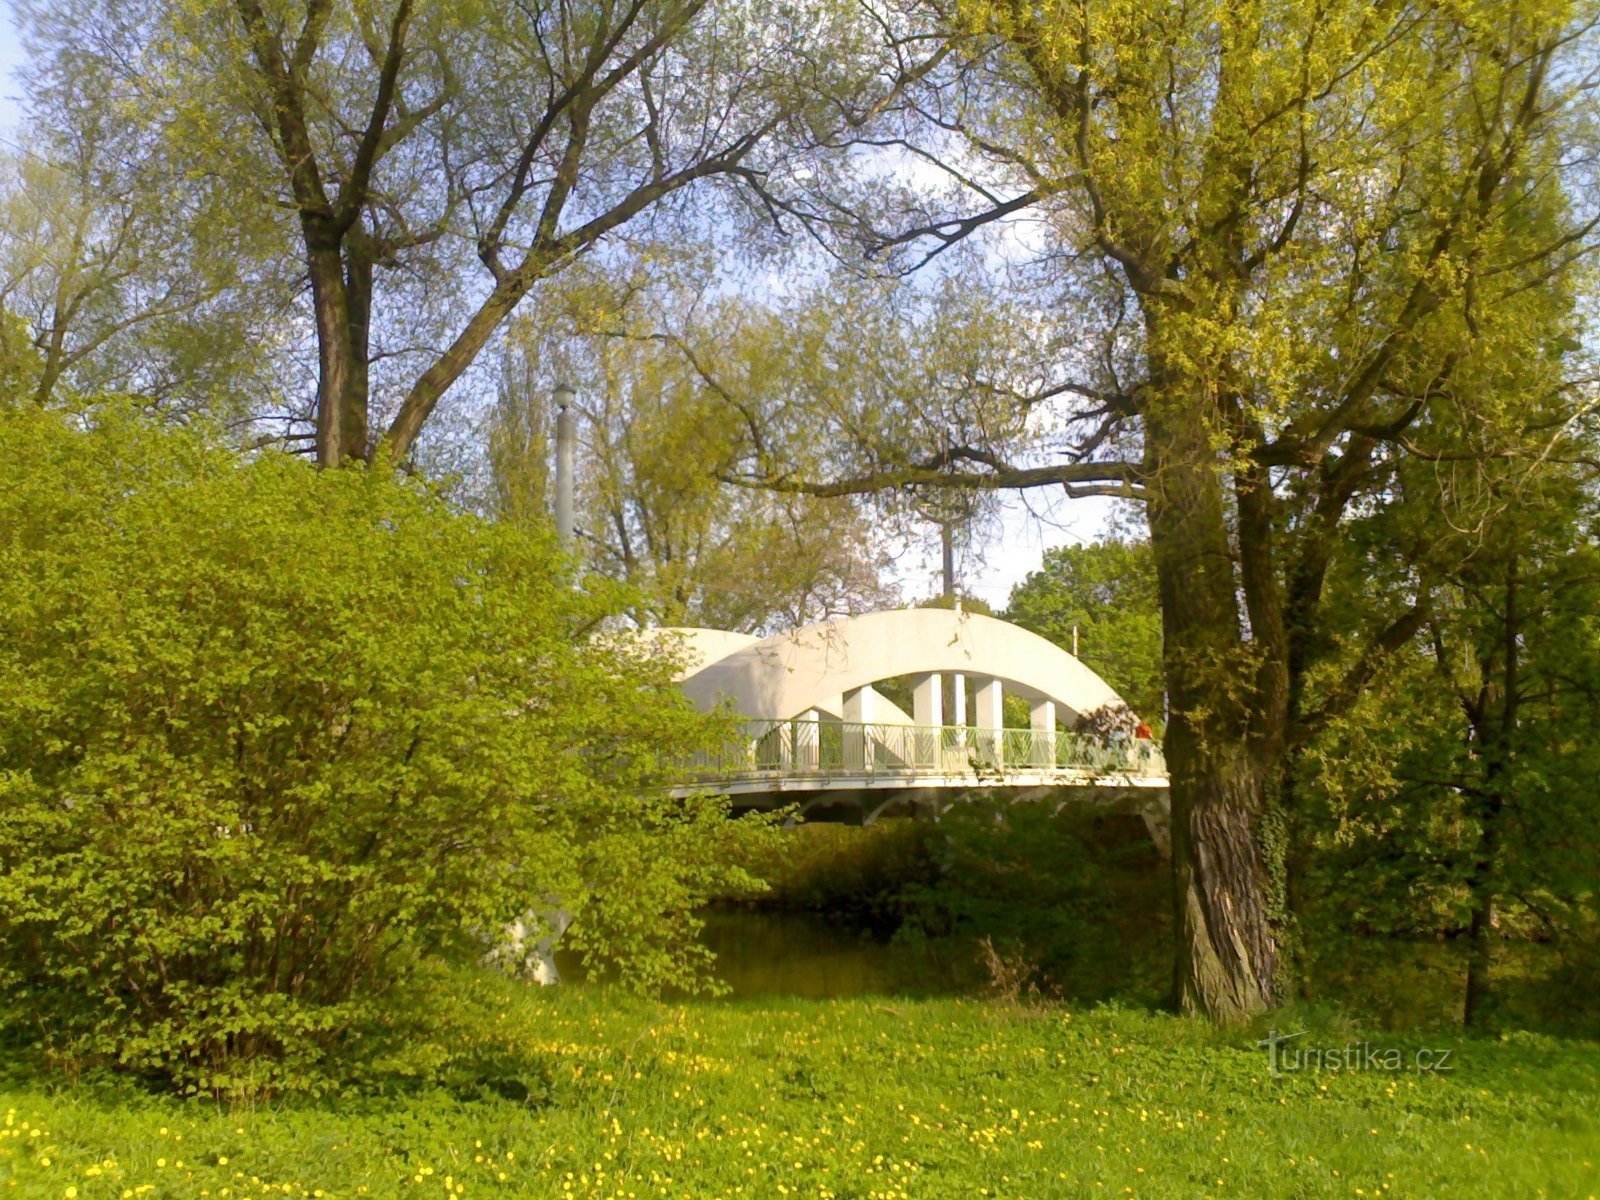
[818,731]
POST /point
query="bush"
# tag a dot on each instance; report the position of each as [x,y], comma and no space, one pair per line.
[1064,902]
[855,875]
[273,740]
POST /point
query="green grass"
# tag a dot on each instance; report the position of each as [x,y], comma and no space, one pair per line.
[884,1097]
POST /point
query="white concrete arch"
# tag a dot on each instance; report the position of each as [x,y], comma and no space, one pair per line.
[791,673]
[699,648]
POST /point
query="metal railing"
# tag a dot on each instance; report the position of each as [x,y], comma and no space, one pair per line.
[809,748]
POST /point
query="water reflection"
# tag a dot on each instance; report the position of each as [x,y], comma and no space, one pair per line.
[766,953]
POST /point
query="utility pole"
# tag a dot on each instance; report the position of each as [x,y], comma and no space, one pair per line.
[566,445]
[947,544]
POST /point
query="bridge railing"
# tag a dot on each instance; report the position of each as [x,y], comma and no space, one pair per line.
[796,748]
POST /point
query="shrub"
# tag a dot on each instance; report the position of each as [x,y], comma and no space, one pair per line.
[1066,902]
[273,739]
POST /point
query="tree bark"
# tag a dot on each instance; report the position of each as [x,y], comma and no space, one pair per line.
[430,387]
[1226,954]
[354,437]
[336,365]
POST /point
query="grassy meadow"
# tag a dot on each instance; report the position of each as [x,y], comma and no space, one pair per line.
[588,1092]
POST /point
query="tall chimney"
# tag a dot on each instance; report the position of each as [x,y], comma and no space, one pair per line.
[566,445]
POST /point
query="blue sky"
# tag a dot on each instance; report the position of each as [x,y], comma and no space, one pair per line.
[10,57]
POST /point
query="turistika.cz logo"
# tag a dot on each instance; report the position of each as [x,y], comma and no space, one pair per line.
[1287,1055]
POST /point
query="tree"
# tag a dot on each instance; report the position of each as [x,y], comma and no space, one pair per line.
[276,741]
[19,359]
[654,439]
[427,161]
[1478,791]
[1101,598]
[1284,245]
[113,297]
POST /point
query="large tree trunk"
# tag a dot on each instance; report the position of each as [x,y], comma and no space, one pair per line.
[336,366]
[1227,956]
[354,437]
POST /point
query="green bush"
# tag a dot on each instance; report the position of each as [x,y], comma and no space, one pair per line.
[856,875]
[1069,902]
[274,740]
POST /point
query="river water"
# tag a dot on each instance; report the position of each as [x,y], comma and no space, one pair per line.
[765,952]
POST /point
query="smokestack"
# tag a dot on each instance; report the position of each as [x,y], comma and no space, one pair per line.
[566,446]
[947,545]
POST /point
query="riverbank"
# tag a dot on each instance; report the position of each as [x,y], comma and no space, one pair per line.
[597,1094]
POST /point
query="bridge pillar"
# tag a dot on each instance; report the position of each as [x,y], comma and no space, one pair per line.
[954,745]
[808,740]
[990,720]
[858,710]
[1042,720]
[857,705]
[927,711]
[991,705]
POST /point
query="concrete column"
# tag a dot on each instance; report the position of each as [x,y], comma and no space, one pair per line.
[990,721]
[991,705]
[1158,821]
[1042,720]
[808,740]
[857,707]
[927,699]
[953,745]
[927,711]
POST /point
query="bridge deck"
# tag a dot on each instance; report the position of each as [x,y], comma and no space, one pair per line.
[780,756]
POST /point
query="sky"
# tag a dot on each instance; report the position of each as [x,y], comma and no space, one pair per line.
[10,58]
[1027,527]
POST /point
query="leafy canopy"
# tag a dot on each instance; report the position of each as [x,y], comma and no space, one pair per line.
[273,741]
[1106,591]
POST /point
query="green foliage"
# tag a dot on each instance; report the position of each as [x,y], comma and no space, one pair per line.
[273,740]
[1459,786]
[972,604]
[19,361]
[930,1099]
[651,501]
[1106,591]
[857,875]
[1072,904]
